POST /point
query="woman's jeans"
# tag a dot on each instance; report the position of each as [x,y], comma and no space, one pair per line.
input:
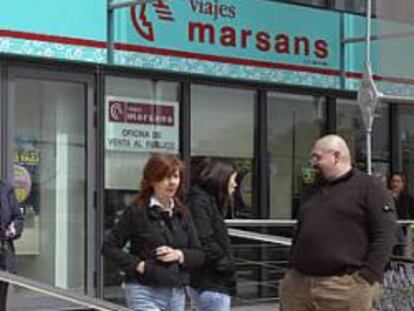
[150,298]
[205,300]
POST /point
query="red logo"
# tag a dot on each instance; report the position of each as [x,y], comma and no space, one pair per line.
[145,27]
[116,111]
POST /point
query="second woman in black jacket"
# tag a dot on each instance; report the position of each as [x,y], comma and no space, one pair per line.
[213,283]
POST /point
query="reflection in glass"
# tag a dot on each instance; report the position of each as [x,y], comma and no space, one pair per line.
[49,156]
[351,127]
[405,144]
[294,123]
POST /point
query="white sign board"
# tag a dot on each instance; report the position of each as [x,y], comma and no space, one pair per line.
[136,125]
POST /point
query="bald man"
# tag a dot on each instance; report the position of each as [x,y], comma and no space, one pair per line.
[344,238]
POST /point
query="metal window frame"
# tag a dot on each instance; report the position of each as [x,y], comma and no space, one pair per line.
[261,159]
[3,121]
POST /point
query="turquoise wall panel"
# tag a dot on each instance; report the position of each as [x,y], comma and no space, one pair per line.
[84,19]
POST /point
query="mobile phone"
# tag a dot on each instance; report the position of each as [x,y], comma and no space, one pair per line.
[159,251]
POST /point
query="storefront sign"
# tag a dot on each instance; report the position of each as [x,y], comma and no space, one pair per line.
[140,125]
[233,32]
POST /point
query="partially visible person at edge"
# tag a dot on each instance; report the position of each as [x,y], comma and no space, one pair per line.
[344,238]
[11,227]
[164,245]
[213,284]
[404,204]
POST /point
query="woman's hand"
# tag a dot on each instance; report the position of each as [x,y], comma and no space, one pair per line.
[140,267]
[169,254]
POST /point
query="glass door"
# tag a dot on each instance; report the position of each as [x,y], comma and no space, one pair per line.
[54,183]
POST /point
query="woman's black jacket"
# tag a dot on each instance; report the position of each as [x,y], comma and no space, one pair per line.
[147,228]
[405,206]
[218,271]
[405,210]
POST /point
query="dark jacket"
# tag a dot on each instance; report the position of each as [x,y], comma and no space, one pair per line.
[344,226]
[147,228]
[10,215]
[405,211]
[405,206]
[218,271]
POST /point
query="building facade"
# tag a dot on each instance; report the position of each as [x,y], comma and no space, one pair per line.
[87,94]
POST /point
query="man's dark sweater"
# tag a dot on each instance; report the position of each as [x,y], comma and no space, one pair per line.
[344,226]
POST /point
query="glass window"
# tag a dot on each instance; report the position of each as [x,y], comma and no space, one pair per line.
[352,6]
[351,127]
[405,144]
[356,6]
[222,127]
[294,123]
[320,3]
[50,180]
[141,116]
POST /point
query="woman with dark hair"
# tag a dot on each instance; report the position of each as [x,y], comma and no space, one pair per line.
[163,242]
[213,284]
[404,203]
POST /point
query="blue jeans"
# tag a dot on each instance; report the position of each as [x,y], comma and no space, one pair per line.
[205,300]
[150,298]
